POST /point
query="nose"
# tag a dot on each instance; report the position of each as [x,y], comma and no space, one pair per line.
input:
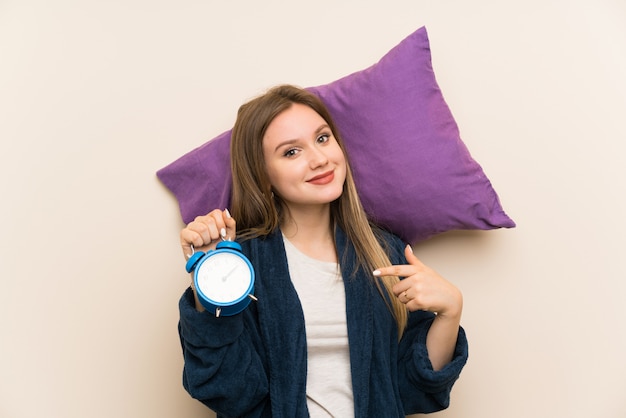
[317,158]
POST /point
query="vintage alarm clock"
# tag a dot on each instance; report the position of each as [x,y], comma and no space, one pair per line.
[223,278]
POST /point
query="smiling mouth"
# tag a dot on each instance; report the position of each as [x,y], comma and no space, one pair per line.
[323,178]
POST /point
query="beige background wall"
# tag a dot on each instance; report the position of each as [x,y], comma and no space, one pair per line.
[95,96]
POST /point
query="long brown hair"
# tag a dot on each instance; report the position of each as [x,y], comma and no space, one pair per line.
[258,212]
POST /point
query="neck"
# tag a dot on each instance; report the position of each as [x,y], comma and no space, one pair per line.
[311,222]
[309,229]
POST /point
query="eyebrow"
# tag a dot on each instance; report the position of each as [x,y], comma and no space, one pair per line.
[292,141]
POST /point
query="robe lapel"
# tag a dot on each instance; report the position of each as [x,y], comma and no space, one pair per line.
[282,326]
[359,312]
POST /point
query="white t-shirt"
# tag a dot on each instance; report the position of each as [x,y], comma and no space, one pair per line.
[322,295]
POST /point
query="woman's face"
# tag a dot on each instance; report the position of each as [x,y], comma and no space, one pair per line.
[304,162]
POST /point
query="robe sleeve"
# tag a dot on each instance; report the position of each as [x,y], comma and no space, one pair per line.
[423,389]
[223,368]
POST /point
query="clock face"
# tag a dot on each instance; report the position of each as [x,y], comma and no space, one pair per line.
[224,277]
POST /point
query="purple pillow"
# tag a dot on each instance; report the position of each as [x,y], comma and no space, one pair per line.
[414,174]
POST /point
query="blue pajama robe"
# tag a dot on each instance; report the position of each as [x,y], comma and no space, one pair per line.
[254,364]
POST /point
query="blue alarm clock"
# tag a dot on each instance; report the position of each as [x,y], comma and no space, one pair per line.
[223,279]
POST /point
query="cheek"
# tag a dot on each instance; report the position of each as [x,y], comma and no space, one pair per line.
[271,175]
[280,176]
[272,170]
[340,159]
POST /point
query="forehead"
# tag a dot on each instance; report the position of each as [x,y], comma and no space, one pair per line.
[297,122]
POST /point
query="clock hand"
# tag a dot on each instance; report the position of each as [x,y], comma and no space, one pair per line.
[224,277]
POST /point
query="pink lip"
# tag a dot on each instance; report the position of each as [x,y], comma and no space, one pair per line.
[323,178]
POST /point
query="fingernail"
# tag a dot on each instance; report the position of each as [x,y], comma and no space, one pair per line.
[227,213]
[409,247]
[223,232]
[376,272]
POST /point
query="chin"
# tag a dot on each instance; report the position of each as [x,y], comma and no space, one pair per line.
[333,196]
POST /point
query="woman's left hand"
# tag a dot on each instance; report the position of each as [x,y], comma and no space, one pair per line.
[423,288]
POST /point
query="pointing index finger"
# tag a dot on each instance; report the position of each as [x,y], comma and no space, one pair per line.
[402,270]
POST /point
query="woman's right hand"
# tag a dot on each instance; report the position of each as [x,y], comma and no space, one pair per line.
[206,231]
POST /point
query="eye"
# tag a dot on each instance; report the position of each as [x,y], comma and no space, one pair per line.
[291,152]
[323,138]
